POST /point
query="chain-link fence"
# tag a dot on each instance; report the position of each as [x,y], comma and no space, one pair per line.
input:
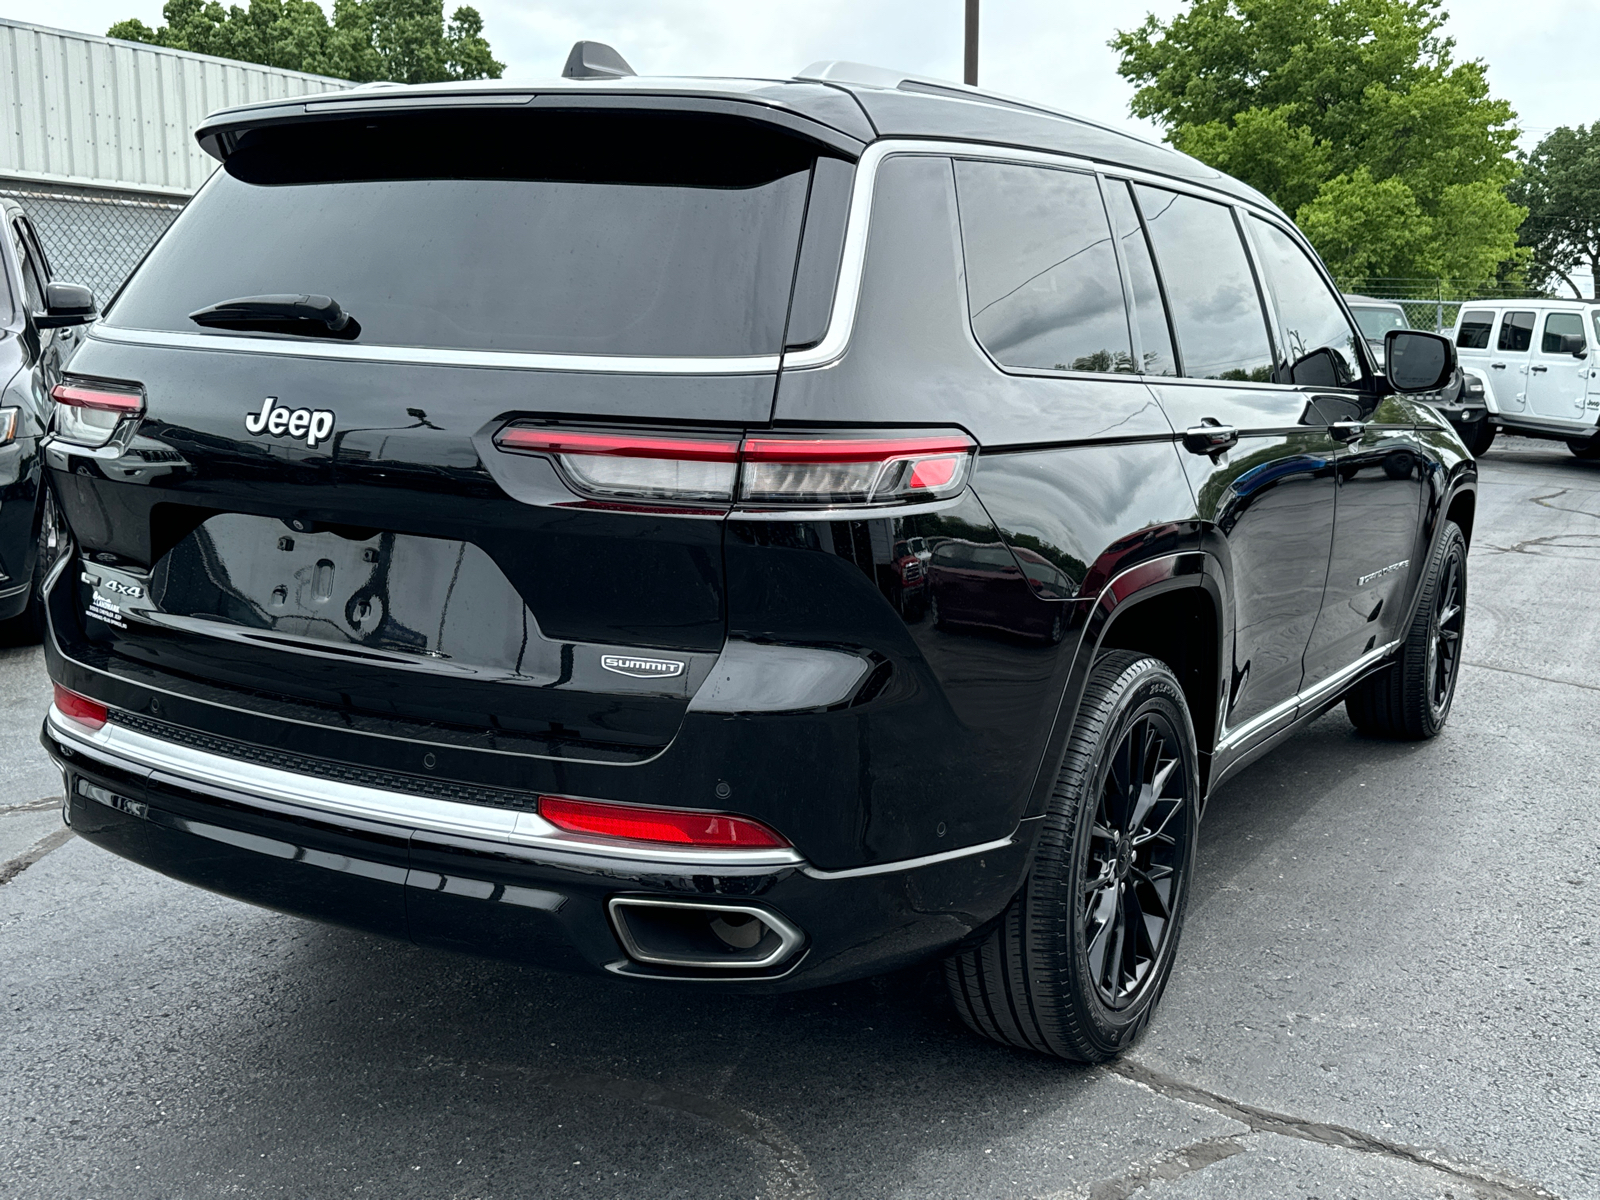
[1432,303]
[94,239]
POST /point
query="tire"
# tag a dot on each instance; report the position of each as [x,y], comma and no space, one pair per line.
[1482,438]
[1587,449]
[933,610]
[1048,977]
[28,626]
[1410,699]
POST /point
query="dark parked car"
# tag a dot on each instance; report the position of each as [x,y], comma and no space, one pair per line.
[38,320]
[537,468]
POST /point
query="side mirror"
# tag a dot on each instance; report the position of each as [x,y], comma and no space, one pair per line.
[1417,361]
[1575,345]
[66,304]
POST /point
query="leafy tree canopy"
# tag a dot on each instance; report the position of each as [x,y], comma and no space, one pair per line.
[405,41]
[1352,115]
[1560,187]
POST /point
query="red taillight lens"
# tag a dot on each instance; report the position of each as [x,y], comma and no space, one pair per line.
[81,709]
[89,413]
[658,825]
[831,470]
[799,471]
[635,468]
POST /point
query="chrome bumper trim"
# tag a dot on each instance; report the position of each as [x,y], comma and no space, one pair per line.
[128,749]
[1311,695]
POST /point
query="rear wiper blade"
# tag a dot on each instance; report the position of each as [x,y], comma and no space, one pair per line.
[314,316]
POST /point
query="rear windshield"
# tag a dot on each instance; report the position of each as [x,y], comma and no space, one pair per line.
[1375,322]
[610,233]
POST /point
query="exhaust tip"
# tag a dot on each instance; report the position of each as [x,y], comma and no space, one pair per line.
[677,933]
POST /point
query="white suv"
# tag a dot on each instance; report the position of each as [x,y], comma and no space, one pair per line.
[1540,359]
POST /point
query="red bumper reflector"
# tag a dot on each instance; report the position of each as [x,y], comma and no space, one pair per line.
[658,825]
[84,711]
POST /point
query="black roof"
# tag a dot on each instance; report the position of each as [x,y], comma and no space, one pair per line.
[842,105]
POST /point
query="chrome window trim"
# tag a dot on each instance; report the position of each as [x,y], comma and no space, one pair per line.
[841,321]
[826,352]
[433,356]
[123,747]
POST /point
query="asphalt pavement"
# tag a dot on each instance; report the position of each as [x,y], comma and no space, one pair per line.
[1387,989]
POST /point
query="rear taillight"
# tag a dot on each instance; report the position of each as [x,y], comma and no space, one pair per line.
[637,468]
[87,414]
[84,711]
[829,470]
[761,471]
[662,826]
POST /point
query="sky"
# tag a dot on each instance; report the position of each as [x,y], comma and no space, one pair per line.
[1054,52]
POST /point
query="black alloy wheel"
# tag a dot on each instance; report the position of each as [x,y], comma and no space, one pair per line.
[1444,644]
[1077,963]
[1134,861]
[1410,698]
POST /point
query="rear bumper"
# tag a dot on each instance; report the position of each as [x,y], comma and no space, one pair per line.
[485,881]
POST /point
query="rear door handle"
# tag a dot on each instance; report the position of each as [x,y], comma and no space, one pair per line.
[1346,431]
[1541,370]
[1209,437]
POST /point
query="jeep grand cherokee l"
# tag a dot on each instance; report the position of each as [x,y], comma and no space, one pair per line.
[524,582]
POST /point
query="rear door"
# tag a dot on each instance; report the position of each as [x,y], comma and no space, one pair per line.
[1269,500]
[1508,365]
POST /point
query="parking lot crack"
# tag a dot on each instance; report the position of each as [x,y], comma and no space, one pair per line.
[1186,1161]
[1490,1185]
[11,868]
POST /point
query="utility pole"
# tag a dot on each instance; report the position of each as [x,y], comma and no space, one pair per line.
[971,75]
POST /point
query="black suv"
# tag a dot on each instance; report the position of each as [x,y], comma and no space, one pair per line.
[741,532]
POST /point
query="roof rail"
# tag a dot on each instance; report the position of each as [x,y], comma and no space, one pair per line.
[866,75]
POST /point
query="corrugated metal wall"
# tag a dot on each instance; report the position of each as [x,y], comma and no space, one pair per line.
[90,111]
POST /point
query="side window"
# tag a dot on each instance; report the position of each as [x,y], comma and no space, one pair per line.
[8,305]
[1557,326]
[1474,331]
[1042,278]
[1216,309]
[1149,310]
[1516,331]
[32,280]
[1321,348]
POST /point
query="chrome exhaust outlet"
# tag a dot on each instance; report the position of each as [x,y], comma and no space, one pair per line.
[714,936]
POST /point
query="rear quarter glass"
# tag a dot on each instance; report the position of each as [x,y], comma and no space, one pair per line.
[615,233]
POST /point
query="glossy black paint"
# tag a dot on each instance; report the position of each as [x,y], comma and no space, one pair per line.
[500,901]
[1253,571]
[30,365]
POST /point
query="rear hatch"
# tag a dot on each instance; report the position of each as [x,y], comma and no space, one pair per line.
[312,509]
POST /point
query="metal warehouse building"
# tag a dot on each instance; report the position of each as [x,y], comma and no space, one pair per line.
[97,141]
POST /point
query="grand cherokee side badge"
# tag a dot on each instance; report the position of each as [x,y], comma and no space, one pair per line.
[641,668]
[313,424]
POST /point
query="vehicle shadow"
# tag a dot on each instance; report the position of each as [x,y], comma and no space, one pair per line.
[492,1079]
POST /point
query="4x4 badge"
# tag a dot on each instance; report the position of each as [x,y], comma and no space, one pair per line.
[313,424]
[641,668]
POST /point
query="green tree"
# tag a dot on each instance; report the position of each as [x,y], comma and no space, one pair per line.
[406,41]
[1353,116]
[1560,187]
